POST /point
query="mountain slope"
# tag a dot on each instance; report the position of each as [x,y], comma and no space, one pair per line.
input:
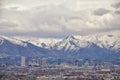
[110,42]
[95,47]
[69,43]
[13,47]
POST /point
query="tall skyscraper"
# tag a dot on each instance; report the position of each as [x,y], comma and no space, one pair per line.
[76,63]
[23,61]
[59,61]
[43,61]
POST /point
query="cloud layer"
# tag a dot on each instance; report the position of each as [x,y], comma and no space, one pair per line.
[58,18]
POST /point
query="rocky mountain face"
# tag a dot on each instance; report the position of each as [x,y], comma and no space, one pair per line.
[14,47]
[96,47]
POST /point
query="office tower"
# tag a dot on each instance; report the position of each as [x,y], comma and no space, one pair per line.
[23,61]
[76,63]
[43,61]
[86,62]
[59,61]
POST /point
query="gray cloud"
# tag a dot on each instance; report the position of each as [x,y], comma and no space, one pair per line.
[117,12]
[116,5]
[7,24]
[59,19]
[101,11]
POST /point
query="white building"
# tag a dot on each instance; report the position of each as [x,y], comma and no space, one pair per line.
[23,61]
[44,61]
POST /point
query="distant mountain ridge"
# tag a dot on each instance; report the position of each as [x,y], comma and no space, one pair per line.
[96,47]
[106,41]
[15,47]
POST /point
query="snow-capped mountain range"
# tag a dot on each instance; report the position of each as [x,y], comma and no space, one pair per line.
[111,42]
[72,46]
[15,47]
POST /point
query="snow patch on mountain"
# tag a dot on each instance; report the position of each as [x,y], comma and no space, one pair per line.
[40,42]
[73,43]
[12,40]
[104,41]
[70,43]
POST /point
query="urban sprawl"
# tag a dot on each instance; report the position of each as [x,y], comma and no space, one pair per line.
[42,69]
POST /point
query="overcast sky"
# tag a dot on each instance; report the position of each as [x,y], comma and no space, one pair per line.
[58,18]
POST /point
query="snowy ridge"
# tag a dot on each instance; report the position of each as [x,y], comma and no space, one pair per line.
[40,42]
[70,43]
[103,41]
[110,42]
[13,40]
[93,46]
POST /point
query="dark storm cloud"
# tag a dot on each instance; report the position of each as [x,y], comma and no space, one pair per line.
[101,11]
[117,5]
[117,12]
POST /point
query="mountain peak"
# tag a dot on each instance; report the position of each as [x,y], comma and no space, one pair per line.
[70,37]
